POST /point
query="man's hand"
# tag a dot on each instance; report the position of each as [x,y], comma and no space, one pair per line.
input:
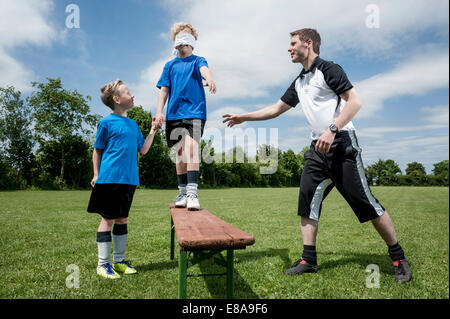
[324,142]
[232,119]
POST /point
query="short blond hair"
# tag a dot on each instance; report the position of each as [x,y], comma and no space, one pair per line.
[177,27]
[108,91]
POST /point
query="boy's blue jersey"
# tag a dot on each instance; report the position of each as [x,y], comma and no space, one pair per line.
[120,139]
[186,92]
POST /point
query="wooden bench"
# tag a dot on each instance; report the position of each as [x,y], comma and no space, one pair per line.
[204,236]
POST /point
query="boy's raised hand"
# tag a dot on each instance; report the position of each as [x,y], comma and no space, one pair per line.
[211,85]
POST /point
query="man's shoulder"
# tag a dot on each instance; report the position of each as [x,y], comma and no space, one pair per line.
[326,65]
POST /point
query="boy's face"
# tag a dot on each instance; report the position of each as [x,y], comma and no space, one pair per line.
[124,98]
[185,49]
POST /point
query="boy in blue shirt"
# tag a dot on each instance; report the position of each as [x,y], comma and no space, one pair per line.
[181,83]
[115,177]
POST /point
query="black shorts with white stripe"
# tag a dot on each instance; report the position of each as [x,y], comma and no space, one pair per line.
[341,167]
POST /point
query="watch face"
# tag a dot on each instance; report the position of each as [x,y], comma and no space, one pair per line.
[333,128]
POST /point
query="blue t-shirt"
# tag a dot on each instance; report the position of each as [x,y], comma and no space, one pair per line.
[120,139]
[186,95]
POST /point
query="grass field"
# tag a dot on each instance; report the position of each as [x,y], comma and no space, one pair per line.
[43,232]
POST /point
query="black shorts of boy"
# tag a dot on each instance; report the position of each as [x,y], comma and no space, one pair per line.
[341,167]
[177,129]
[111,201]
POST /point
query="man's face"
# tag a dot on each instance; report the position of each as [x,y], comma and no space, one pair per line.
[126,99]
[298,49]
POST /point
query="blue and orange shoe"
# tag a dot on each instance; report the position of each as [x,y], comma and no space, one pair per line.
[402,271]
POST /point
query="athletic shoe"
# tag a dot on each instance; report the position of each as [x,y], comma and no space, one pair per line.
[192,202]
[402,271]
[300,267]
[180,200]
[107,271]
[124,267]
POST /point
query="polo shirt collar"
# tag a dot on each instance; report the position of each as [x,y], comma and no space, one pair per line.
[312,68]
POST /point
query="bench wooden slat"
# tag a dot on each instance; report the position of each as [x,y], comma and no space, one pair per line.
[201,230]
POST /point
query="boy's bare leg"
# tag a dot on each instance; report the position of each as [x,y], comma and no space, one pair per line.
[193,171]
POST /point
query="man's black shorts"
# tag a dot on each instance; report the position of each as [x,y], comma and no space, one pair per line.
[341,167]
[177,129]
[111,201]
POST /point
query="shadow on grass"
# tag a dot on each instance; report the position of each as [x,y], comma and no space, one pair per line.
[384,262]
[216,284]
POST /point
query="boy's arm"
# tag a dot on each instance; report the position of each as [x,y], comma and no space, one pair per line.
[96,159]
[266,113]
[206,74]
[162,98]
[149,140]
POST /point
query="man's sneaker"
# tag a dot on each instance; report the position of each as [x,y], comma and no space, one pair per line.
[402,271]
[192,202]
[300,267]
[124,267]
[107,271]
[180,200]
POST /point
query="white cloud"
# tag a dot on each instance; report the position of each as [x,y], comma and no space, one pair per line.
[415,76]
[437,115]
[246,42]
[23,23]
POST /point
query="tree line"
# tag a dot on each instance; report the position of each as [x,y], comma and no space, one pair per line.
[46,143]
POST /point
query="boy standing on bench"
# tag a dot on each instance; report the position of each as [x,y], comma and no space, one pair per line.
[181,83]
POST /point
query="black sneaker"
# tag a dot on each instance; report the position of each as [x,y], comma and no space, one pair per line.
[300,267]
[402,271]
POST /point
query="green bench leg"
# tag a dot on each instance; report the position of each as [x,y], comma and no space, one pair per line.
[172,239]
[230,273]
[182,274]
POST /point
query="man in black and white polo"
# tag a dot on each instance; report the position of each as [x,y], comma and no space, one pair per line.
[329,102]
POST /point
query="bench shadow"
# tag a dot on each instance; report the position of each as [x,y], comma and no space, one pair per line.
[242,290]
[217,284]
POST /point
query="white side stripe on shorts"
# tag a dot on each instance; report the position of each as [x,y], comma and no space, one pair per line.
[317,199]
[362,175]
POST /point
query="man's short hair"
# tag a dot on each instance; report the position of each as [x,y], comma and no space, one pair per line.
[177,27]
[108,91]
[309,34]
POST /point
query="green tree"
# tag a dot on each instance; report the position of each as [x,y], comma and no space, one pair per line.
[415,169]
[156,169]
[441,169]
[386,172]
[15,133]
[60,113]
[78,163]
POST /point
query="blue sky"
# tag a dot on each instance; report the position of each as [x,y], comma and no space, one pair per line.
[394,52]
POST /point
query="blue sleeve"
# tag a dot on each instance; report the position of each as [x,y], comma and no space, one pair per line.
[201,62]
[102,136]
[164,80]
[140,138]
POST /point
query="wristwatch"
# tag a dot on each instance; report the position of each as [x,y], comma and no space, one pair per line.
[334,128]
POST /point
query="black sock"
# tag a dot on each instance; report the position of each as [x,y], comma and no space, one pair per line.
[396,252]
[192,177]
[182,179]
[309,254]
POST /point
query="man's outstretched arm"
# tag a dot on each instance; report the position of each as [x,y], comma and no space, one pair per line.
[266,113]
